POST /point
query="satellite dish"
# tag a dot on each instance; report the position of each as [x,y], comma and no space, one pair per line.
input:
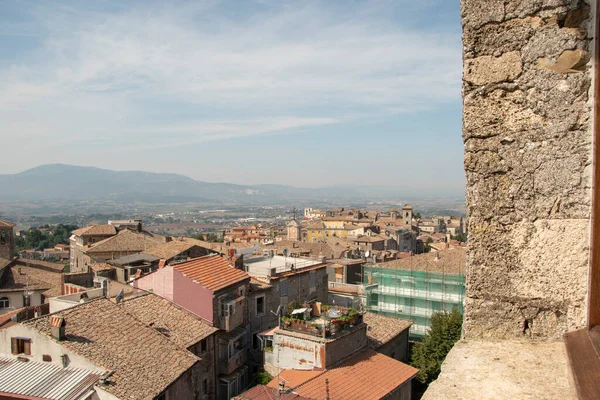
[368,253]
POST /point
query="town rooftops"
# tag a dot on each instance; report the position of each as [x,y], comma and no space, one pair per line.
[42,380]
[98,267]
[213,272]
[382,329]
[177,324]
[96,230]
[145,362]
[450,261]
[126,240]
[368,375]
[17,278]
[169,250]
[6,224]
[261,392]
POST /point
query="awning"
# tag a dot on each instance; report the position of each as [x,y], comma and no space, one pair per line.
[300,311]
[269,332]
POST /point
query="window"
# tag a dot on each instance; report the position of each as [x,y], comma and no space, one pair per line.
[312,286]
[283,288]
[20,346]
[26,300]
[4,302]
[241,291]
[205,386]
[3,237]
[227,309]
[203,346]
[260,305]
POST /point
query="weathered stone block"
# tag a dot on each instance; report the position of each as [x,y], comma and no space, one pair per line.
[489,69]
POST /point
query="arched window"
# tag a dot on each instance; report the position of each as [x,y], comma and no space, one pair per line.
[3,237]
[4,302]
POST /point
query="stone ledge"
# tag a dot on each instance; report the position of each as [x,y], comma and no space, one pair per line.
[504,369]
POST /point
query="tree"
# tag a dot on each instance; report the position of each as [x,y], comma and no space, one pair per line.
[428,355]
[417,215]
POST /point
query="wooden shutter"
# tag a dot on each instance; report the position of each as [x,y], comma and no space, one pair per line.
[27,347]
[14,346]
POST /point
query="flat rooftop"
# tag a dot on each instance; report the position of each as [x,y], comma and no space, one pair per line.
[272,266]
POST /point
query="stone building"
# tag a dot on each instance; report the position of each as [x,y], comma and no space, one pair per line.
[7,240]
[532,170]
[294,230]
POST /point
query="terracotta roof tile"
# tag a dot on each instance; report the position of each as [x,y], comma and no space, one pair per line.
[177,324]
[167,251]
[451,261]
[212,272]
[96,230]
[382,329]
[6,224]
[17,277]
[97,267]
[261,392]
[126,240]
[144,361]
[369,375]
[293,378]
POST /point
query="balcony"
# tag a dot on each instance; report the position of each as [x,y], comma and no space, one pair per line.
[231,314]
[235,360]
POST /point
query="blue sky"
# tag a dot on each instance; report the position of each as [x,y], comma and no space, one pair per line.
[304,93]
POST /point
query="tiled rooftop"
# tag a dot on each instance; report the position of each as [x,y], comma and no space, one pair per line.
[96,230]
[261,392]
[16,278]
[382,329]
[144,361]
[126,241]
[368,375]
[177,324]
[451,261]
[167,251]
[97,267]
[212,272]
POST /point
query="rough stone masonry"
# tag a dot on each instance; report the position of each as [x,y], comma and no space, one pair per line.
[527,131]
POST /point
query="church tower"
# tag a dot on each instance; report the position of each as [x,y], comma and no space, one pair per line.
[407,214]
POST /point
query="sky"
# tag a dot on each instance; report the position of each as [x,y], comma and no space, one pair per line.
[291,92]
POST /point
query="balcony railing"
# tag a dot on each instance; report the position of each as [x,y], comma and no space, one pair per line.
[236,360]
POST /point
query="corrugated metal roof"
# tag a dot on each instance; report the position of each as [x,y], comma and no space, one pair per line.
[44,380]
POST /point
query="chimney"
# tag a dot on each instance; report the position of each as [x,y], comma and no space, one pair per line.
[57,328]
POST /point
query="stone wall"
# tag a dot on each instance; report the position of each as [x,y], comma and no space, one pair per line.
[528,140]
[7,243]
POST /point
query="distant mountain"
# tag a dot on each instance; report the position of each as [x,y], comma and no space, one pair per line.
[75,183]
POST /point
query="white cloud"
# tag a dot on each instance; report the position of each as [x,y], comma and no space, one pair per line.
[129,73]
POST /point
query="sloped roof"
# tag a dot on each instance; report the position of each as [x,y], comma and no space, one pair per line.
[212,272]
[293,377]
[382,329]
[96,230]
[6,224]
[44,380]
[97,267]
[144,361]
[450,261]
[369,375]
[17,277]
[126,240]
[177,324]
[261,392]
[168,250]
